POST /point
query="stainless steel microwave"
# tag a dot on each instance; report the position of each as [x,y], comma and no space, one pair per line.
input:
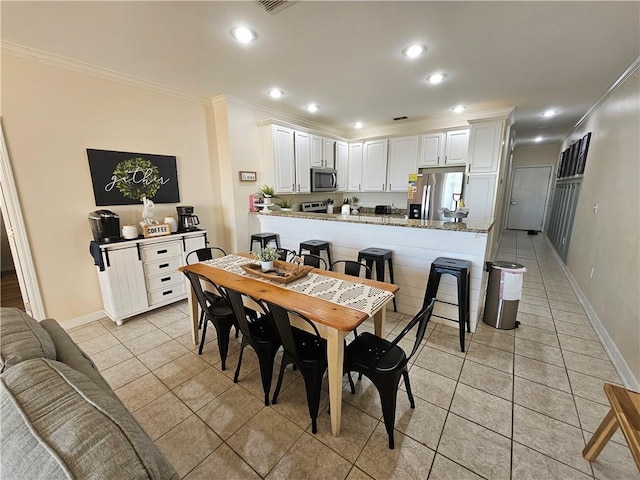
[324,180]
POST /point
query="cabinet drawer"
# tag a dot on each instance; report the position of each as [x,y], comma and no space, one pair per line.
[166,266]
[172,292]
[164,281]
[160,251]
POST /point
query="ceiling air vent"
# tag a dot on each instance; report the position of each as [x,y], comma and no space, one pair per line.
[275,6]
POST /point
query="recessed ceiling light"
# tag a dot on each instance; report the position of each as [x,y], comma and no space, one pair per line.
[538,139]
[357,125]
[312,108]
[275,93]
[243,34]
[459,108]
[548,113]
[413,51]
[436,78]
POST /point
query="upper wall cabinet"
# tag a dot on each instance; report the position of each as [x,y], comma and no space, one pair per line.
[456,145]
[431,150]
[284,159]
[322,152]
[484,147]
[354,175]
[342,165]
[374,166]
[302,160]
[403,160]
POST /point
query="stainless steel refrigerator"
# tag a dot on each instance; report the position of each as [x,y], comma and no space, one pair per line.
[433,188]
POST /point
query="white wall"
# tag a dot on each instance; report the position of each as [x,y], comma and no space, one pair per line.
[609,241]
[51,116]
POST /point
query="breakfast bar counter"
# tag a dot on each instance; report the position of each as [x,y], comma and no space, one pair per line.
[415,244]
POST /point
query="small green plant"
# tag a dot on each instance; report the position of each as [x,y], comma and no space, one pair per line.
[267,254]
[329,201]
[285,203]
[354,200]
[267,191]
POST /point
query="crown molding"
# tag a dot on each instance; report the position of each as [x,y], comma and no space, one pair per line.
[59,61]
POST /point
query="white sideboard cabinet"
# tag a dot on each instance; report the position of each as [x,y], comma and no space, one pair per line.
[141,275]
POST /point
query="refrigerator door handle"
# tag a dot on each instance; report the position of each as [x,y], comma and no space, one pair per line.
[426,194]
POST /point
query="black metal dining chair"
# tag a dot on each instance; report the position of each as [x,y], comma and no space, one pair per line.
[286,255]
[202,255]
[350,267]
[385,363]
[306,351]
[258,331]
[219,313]
[314,261]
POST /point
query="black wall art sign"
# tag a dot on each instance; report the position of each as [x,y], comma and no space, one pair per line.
[123,178]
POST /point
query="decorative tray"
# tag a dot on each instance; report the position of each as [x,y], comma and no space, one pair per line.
[283,272]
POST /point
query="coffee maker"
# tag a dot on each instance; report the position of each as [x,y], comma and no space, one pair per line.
[187,221]
[105,226]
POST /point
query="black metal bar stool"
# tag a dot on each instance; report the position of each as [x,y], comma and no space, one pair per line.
[263,239]
[378,256]
[461,269]
[315,247]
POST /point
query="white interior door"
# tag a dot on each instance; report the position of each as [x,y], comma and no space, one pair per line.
[529,192]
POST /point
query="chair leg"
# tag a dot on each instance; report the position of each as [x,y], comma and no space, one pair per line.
[462,308]
[266,357]
[201,320]
[353,387]
[313,385]
[223,343]
[276,392]
[237,374]
[388,390]
[407,384]
[204,334]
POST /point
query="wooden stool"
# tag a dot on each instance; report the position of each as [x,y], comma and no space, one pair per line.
[376,256]
[263,239]
[624,413]
[315,247]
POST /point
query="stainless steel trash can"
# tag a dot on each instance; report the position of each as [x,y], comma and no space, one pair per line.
[504,290]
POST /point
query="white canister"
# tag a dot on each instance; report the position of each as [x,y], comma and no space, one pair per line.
[346,208]
[173,224]
[129,232]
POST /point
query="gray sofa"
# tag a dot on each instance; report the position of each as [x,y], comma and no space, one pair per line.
[60,418]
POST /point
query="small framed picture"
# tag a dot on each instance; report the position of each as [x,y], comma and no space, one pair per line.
[247,176]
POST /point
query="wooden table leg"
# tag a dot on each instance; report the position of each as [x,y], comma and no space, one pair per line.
[193,309]
[607,428]
[378,321]
[335,359]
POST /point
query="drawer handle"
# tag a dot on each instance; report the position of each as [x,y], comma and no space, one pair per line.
[164,265]
[168,292]
[165,279]
[161,251]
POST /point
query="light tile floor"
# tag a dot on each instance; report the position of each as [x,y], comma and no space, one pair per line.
[517,404]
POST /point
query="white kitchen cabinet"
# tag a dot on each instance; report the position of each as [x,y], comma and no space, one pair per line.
[302,161]
[141,275]
[322,152]
[479,195]
[431,150]
[342,165]
[374,166]
[354,174]
[456,146]
[403,160]
[284,159]
[484,147]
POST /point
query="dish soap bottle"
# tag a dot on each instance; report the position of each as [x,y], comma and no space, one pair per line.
[345,208]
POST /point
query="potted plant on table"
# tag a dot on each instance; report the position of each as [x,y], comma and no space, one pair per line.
[354,205]
[286,205]
[267,193]
[266,256]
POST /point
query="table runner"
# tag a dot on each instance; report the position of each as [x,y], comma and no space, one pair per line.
[363,298]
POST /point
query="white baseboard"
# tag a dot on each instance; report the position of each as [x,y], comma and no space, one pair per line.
[626,374]
[83,320]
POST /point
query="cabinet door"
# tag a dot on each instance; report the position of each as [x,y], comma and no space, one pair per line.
[328,153]
[374,166]
[354,175]
[303,162]
[342,165]
[403,160]
[431,147]
[123,285]
[479,196]
[317,144]
[484,147]
[457,143]
[192,242]
[283,159]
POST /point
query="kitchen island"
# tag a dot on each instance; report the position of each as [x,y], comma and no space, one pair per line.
[415,244]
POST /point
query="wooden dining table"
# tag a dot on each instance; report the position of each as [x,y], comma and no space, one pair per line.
[334,321]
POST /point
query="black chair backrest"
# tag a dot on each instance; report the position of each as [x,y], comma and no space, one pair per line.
[237,304]
[280,316]
[314,261]
[286,255]
[351,268]
[421,319]
[204,254]
[195,279]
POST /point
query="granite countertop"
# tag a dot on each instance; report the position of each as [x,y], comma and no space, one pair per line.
[391,220]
